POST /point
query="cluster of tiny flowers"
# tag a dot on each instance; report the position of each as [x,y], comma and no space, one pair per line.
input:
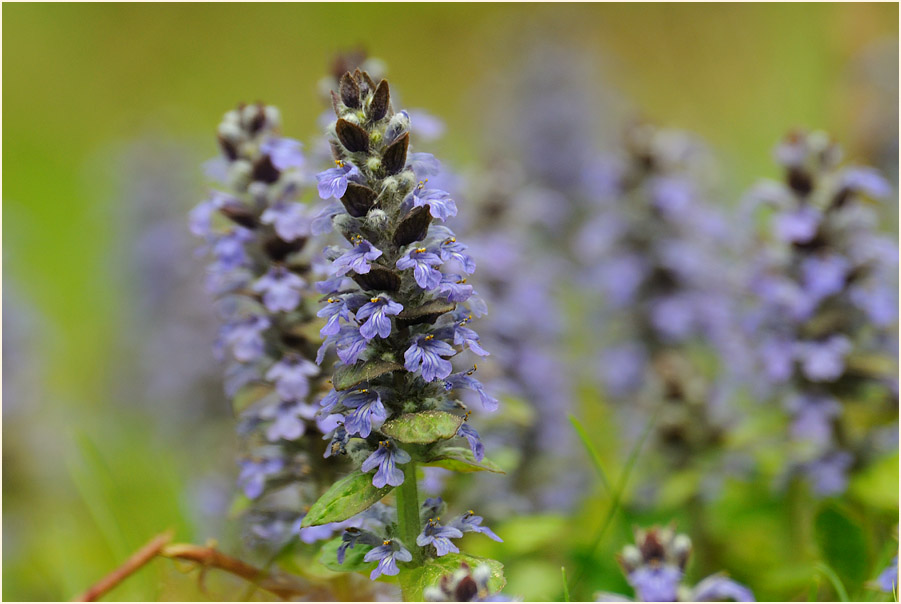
[657,251]
[655,568]
[464,585]
[826,308]
[397,305]
[262,273]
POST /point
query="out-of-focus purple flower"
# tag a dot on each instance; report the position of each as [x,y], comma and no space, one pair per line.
[813,415]
[291,220]
[322,222]
[440,537]
[623,368]
[201,217]
[880,303]
[387,555]
[281,289]
[673,316]
[386,458]
[357,259]
[824,275]
[778,357]
[284,153]
[254,473]
[866,180]
[422,262]
[245,338]
[229,248]
[292,377]
[376,313]
[656,583]
[333,182]
[888,579]
[287,420]
[672,195]
[823,361]
[428,127]
[369,412]
[799,225]
[621,276]
[719,588]
[830,473]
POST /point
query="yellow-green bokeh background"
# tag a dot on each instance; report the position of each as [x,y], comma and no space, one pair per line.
[84,482]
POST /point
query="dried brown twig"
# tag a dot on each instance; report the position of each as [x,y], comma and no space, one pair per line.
[279,584]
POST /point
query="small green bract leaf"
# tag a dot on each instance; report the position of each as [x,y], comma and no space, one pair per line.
[353,558]
[461,459]
[422,428]
[350,376]
[348,497]
[429,575]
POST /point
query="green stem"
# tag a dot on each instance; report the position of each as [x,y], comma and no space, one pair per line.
[409,527]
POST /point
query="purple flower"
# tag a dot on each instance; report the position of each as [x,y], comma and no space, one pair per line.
[376,313]
[470,523]
[672,195]
[350,344]
[201,217]
[287,420]
[454,288]
[283,152]
[465,380]
[428,127]
[291,376]
[254,473]
[229,248]
[426,351]
[422,261]
[333,182]
[813,415]
[281,289]
[623,368]
[656,583]
[386,458]
[440,537]
[778,358]
[621,276]
[867,181]
[441,206]
[673,316]
[799,225]
[450,249]
[823,361]
[830,473]
[336,310]
[368,412]
[878,302]
[888,579]
[322,223]
[245,338]
[472,437]
[824,275]
[291,220]
[423,165]
[719,588]
[357,259]
[468,337]
[387,554]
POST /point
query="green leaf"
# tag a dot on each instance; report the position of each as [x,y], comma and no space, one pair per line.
[422,428]
[353,558]
[351,376]
[461,459]
[874,365]
[877,484]
[842,544]
[348,497]
[416,580]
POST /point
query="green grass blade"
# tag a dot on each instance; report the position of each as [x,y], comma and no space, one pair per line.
[565,586]
[834,579]
[592,452]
